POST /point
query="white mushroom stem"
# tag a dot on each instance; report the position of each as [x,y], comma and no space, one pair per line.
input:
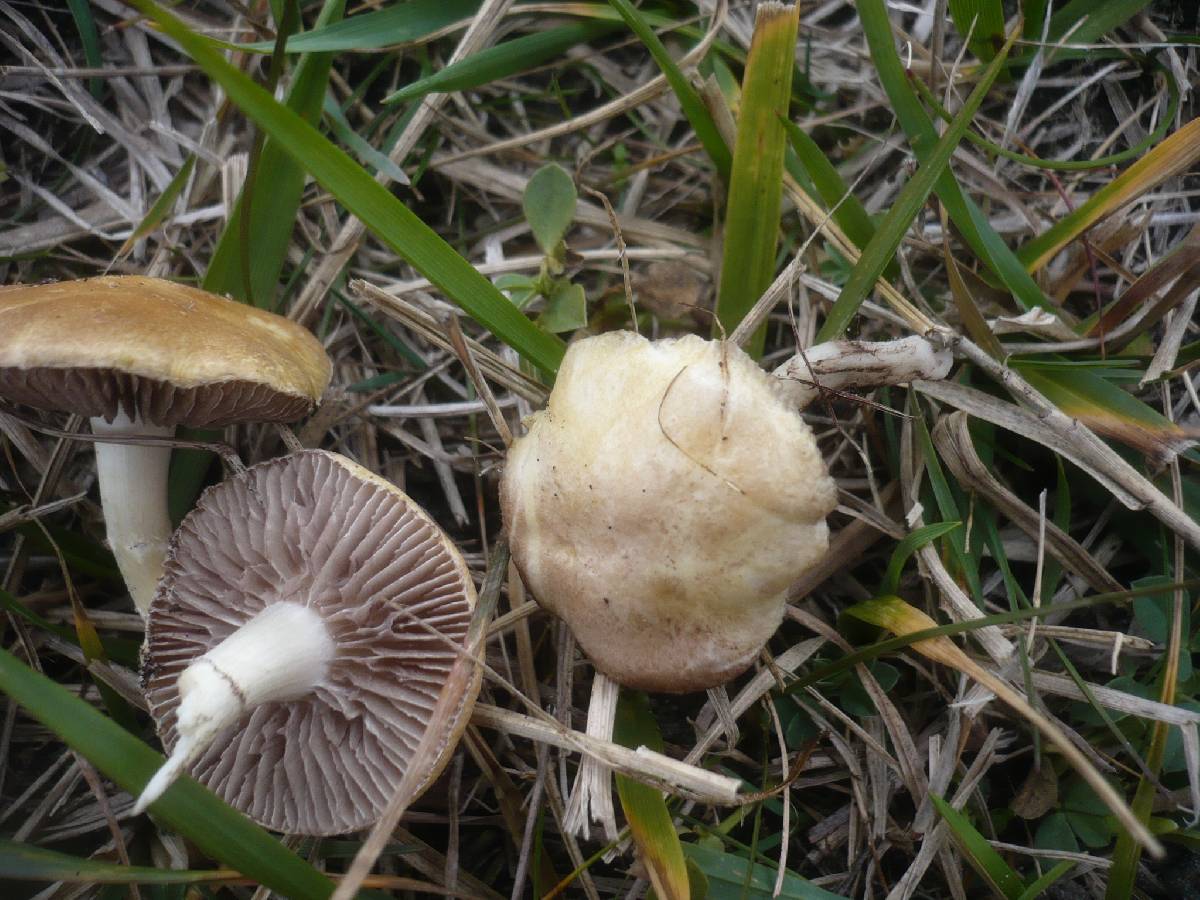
[282,653]
[133,492]
[859,364]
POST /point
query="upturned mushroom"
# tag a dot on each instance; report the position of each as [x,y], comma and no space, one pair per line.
[661,505]
[139,356]
[310,619]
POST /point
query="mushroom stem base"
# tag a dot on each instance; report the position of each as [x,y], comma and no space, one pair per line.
[837,365]
[282,653]
[133,492]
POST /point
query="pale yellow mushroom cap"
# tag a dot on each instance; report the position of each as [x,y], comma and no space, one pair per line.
[662,504]
[159,351]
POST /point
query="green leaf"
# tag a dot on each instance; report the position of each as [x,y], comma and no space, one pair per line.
[549,204]
[1088,815]
[912,542]
[387,217]
[520,288]
[756,180]
[853,697]
[733,877]
[644,807]
[566,309]
[980,854]
[882,246]
[215,828]
[1054,833]
[1153,612]
[25,862]
[503,60]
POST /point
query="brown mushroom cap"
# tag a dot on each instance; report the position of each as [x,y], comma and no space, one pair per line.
[158,351]
[396,598]
[662,504]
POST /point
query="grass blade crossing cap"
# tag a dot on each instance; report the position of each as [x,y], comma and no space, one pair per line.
[302,634]
[662,504]
[140,356]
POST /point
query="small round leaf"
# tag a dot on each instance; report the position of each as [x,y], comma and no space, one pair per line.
[549,205]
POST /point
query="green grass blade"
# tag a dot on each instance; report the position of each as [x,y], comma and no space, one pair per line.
[1041,885]
[1073,165]
[644,807]
[217,829]
[1175,155]
[159,209]
[1123,875]
[274,195]
[1034,14]
[25,862]
[967,217]
[400,23]
[503,60]
[983,858]
[947,506]
[387,217]
[911,543]
[362,148]
[983,20]
[689,100]
[1108,409]
[879,648]
[882,246]
[1085,21]
[756,180]
[732,877]
[248,273]
[85,24]
[973,321]
[852,217]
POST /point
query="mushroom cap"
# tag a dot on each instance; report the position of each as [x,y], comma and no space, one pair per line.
[662,504]
[158,351]
[396,598]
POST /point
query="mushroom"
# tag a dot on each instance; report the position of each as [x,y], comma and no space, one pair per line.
[662,504]
[837,365]
[139,356]
[309,618]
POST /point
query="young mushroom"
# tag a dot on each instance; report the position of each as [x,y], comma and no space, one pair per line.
[308,621]
[662,504]
[139,356]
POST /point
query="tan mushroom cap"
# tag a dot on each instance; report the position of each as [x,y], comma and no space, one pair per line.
[396,597]
[156,350]
[662,504]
